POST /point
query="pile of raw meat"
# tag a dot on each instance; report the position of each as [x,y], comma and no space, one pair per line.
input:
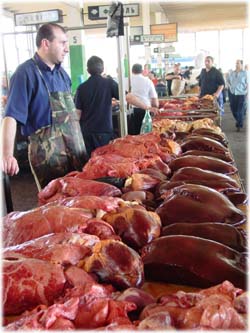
[159,207]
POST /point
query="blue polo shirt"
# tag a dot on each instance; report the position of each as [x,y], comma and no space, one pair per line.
[28,99]
[94,99]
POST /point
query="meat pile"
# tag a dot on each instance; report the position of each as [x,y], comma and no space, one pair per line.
[160,207]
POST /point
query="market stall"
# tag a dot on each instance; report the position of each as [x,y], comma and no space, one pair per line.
[150,235]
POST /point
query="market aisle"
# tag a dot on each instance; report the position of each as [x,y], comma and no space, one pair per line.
[24,191]
[237,142]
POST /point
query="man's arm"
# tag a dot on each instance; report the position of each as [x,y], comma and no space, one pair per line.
[155,102]
[218,91]
[173,76]
[135,101]
[9,162]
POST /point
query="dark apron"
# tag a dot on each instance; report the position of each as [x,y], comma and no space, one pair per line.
[59,148]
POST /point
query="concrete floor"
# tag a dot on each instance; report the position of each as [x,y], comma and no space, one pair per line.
[24,191]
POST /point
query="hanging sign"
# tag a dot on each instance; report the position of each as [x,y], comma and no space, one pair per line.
[152,38]
[101,12]
[33,18]
[169,30]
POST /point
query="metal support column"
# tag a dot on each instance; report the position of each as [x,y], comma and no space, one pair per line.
[122,99]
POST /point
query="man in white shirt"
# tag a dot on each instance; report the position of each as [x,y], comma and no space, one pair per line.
[143,89]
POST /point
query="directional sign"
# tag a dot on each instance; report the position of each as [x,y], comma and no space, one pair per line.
[32,18]
[152,38]
[169,49]
[101,12]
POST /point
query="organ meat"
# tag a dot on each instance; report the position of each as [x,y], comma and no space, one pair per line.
[196,174]
[208,309]
[193,261]
[88,305]
[226,234]
[73,187]
[132,149]
[29,282]
[61,248]
[19,227]
[55,317]
[135,226]
[115,263]
[118,166]
[91,202]
[137,296]
[202,143]
[203,162]
[209,133]
[197,204]
[221,156]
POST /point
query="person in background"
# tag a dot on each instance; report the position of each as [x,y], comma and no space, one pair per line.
[153,77]
[143,91]
[93,101]
[211,81]
[161,88]
[224,90]
[176,74]
[40,100]
[188,72]
[145,71]
[238,85]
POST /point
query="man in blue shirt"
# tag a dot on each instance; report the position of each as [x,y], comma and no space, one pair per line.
[237,85]
[93,100]
[40,100]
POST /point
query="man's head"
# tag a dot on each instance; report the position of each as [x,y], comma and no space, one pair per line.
[52,43]
[137,69]
[177,68]
[209,61]
[239,65]
[95,65]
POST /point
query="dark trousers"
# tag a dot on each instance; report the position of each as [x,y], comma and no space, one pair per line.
[95,140]
[134,126]
[237,105]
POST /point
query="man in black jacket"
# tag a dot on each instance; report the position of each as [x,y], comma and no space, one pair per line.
[211,81]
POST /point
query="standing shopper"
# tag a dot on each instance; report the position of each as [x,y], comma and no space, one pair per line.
[40,100]
[143,89]
[237,84]
[211,81]
[94,102]
[175,75]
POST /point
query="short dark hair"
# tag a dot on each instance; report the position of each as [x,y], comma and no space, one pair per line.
[95,65]
[137,69]
[46,31]
[211,58]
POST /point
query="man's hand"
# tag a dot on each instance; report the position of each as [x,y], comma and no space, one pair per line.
[8,133]
[10,165]
[154,110]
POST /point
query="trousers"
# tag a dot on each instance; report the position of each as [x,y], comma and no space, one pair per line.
[237,105]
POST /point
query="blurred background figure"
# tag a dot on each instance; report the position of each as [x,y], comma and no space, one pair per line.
[142,88]
[153,77]
[161,88]
[175,75]
[238,85]
[145,71]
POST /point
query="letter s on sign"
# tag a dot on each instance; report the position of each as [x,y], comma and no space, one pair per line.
[74,40]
